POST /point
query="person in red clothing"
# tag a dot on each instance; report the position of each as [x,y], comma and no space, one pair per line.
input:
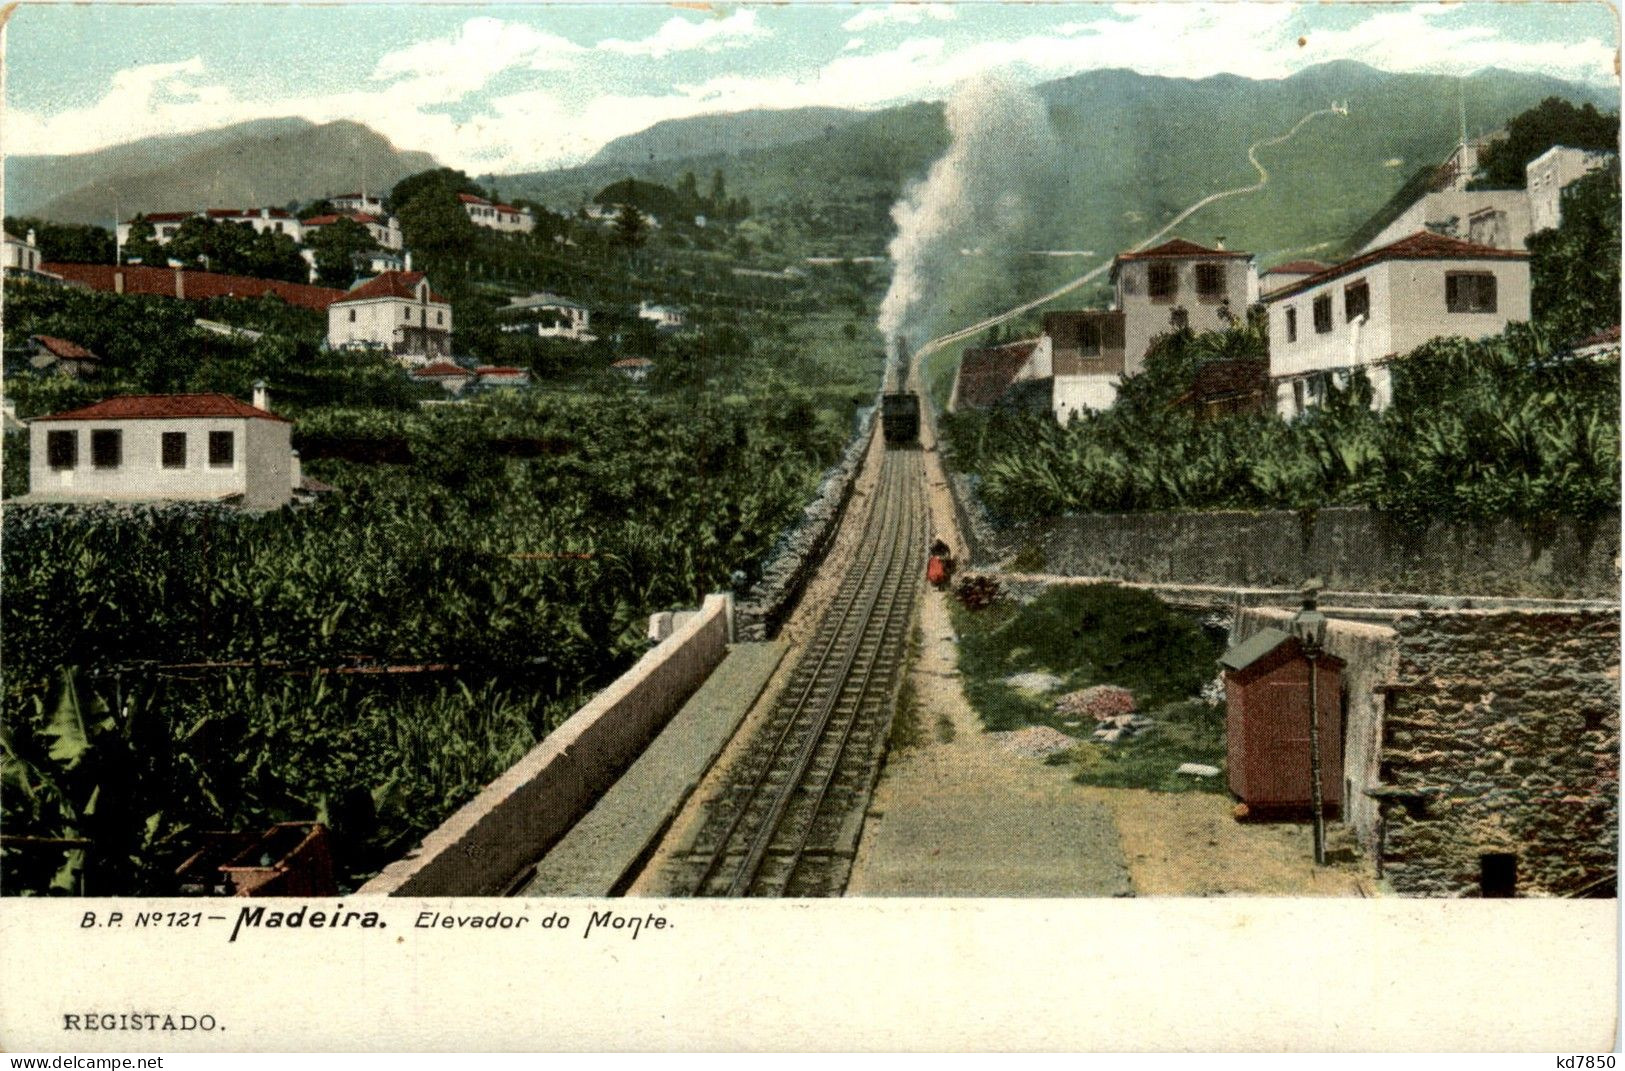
[940,568]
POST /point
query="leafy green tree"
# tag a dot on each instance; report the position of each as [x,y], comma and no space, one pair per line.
[72,243]
[1554,121]
[336,246]
[438,181]
[631,229]
[142,245]
[1574,269]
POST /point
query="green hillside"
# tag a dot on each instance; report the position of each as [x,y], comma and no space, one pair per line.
[706,135]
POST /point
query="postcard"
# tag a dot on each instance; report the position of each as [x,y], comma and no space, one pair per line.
[870,525]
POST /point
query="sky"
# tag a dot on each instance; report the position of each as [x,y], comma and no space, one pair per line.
[502,89]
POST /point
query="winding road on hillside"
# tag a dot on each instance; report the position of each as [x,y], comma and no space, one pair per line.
[963,333]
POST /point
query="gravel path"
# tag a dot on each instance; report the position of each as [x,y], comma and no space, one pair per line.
[963,816]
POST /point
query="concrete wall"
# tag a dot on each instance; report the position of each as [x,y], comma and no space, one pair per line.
[493,839]
[1075,394]
[1350,548]
[1420,314]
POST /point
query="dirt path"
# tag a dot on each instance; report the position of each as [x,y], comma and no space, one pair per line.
[956,815]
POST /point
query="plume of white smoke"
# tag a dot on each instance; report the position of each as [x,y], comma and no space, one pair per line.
[977,195]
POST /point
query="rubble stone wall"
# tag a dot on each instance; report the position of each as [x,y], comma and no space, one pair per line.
[1502,735]
[1350,548]
[763,609]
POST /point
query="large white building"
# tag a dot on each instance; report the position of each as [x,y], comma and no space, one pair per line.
[358,202]
[1382,304]
[164,447]
[397,311]
[505,218]
[165,225]
[1547,175]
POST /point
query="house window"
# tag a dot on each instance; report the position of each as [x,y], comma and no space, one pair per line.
[222,449]
[173,445]
[1292,325]
[439,317]
[1162,281]
[1210,282]
[1323,314]
[62,449]
[106,448]
[1089,339]
[1356,301]
[352,316]
[1469,291]
[407,312]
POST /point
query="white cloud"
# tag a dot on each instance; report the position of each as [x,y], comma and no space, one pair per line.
[449,68]
[680,35]
[554,118]
[898,14]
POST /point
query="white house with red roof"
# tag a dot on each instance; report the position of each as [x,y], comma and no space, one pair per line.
[1178,284]
[164,447]
[505,218]
[385,230]
[397,311]
[1383,303]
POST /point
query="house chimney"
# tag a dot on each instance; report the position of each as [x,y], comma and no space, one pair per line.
[265,213]
[1218,241]
[31,236]
[262,396]
[408,260]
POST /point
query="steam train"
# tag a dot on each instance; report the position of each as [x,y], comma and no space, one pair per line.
[899,406]
[900,417]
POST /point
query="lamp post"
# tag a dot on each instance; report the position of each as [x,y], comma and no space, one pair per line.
[1309,628]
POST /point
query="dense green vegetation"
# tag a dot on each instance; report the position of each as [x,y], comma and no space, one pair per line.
[1511,426]
[1554,121]
[520,546]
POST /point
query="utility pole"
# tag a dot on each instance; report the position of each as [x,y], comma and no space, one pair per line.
[1309,627]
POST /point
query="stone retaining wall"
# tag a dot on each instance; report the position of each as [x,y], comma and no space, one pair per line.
[484,848]
[1350,548]
[764,608]
[1472,732]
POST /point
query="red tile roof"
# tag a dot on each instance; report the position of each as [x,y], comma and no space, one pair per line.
[1177,248]
[986,373]
[1601,338]
[441,369]
[1298,267]
[193,285]
[166,407]
[165,217]
[333,217]
[63,349]
[391,284]
[470,199]
[1423,245]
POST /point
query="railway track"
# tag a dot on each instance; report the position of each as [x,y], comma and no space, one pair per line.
[787,821]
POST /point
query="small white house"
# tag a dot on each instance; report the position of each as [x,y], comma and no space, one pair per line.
[505,218]
[1382,304]
[551,316]
[449,377]
[635,369]
[665,317]
[397,311]
[21,260]
[164,447]
[1548,174]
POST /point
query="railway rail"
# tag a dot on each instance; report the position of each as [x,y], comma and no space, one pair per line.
[788,819]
